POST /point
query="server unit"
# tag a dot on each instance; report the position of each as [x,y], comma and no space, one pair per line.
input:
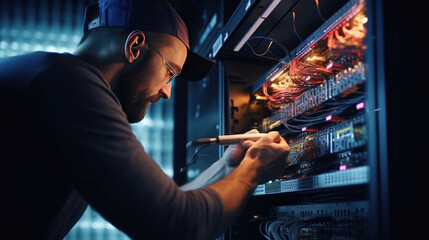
[319,73]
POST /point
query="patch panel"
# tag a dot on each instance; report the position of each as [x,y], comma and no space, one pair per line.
[343,81]
[343,84]
[339,211]
[330,140]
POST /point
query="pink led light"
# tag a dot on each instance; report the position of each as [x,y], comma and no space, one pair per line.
[328,118]
[329,65]
[304,128]
[343,167]
[360,106]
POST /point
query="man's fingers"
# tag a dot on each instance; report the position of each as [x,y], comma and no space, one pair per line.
[284,142]
[253,131]
[247,143]
[277,137]
[272,136]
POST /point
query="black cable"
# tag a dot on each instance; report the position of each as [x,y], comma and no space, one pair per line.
[285,50]
[194,158]
[294,27]
[318,10]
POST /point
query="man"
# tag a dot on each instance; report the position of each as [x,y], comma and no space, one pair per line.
[66,139]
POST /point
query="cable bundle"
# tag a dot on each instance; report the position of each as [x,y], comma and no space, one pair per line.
[310,119]
[283,89]
[342,48]
[349,38]
[308,73]
[282,230]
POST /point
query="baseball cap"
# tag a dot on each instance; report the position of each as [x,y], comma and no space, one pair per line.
[153,16]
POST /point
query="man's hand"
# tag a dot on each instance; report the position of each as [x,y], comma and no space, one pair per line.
[235,153]
[268,156]
[232,157]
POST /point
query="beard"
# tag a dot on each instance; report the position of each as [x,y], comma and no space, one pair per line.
[134,101]
[136,107]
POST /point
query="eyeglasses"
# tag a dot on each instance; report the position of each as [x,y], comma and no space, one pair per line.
[168,65]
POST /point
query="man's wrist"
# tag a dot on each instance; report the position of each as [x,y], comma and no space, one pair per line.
[247,174]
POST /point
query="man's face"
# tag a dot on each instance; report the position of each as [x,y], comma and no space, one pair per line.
[143,82]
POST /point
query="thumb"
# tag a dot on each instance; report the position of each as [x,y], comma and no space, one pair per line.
[253,131]
[247,144]
[273,136]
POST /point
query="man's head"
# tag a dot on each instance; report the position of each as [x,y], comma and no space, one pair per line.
[152,60]
[139,46]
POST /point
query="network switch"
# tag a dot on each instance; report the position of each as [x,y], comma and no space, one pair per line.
[347,177]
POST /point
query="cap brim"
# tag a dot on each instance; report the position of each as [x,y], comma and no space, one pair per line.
[196,67]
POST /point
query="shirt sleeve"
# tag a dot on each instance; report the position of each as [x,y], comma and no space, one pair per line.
[109,167]
[215,172]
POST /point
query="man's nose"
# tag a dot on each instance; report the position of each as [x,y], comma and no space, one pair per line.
[165,91]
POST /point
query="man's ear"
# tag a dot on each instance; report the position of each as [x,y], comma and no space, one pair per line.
[134,44]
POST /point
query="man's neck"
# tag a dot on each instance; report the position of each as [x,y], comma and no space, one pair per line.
[102,62]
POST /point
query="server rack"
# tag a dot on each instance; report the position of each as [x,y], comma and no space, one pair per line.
[204,101]
[348,173]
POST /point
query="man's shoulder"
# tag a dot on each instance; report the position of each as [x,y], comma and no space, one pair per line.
[65,63]
[38,60]
[24,69]
[70,64]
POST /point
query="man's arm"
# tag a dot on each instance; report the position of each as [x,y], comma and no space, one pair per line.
[218,170]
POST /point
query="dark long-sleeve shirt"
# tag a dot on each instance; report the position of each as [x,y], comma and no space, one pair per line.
[66,142]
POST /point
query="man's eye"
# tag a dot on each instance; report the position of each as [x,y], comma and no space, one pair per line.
[169,71]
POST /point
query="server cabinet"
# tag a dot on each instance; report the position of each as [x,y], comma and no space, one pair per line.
[334,77]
